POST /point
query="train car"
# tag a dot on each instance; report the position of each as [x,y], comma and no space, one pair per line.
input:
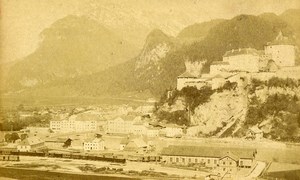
[7,150]
[75,156]
[146,159]
[66,155]
[9,158]
[83,156]
[57,155]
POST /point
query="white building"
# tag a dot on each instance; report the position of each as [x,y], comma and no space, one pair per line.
[96,144]
[173,130]
[146,109]
[220,159]
[139,128]
[76,123]
[152,132]
[282,51]
[30,144]
[188,80]
[218,67]
[245,60]
[120,125]
[289,72]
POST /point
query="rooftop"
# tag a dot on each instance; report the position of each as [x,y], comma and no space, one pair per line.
[201,151]
[281,40]
[219,63]
[94,140]
[235,52]
[187,75]
[31,141]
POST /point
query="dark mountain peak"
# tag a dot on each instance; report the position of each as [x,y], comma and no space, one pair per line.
[244,17]
[268,15]
[156,37]
[72,24]
[157,33]
[197,31]
[291,12]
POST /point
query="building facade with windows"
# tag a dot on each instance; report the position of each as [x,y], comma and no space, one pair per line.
[120,125]
[96,144]
[30,144]
[218,158]
[74,123]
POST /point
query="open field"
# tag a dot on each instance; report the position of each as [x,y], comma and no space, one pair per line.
[73,166]
[28,174]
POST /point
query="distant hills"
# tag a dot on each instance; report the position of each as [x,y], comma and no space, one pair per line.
[80,60]
[198,31]
[70,47]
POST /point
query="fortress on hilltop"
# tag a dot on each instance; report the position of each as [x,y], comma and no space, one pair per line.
[277,59]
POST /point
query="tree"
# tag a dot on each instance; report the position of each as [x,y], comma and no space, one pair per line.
[7,137]
[14,137]
[23,136]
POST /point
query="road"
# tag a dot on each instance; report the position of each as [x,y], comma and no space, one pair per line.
[257,170]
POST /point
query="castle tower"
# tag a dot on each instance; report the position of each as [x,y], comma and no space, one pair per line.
[194,68]
[282,51]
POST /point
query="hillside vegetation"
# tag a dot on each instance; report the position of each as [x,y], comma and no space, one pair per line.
[271,105]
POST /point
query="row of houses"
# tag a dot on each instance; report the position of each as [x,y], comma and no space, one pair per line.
[94,120]
[138,126]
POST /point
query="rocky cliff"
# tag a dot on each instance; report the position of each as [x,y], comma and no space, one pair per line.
[273,106]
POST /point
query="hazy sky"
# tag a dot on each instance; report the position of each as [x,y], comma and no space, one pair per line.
[23,20]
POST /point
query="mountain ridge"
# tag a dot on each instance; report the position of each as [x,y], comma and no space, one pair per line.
[162,58]
[72,46]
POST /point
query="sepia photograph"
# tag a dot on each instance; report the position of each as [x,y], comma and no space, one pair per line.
[150,89]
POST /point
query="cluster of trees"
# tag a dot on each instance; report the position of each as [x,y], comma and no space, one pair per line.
[11,137]
[14,122]
[178,117]
[274,82]
[192,97]
[227,86]
[283,83]
[282,109]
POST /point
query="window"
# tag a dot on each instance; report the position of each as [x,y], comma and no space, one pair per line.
[171,159]
[190,160]
[215,161]
[177,159]
[208,161]
[183,160]
[223,163]
[230,163]
[224,169]
[196,160]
